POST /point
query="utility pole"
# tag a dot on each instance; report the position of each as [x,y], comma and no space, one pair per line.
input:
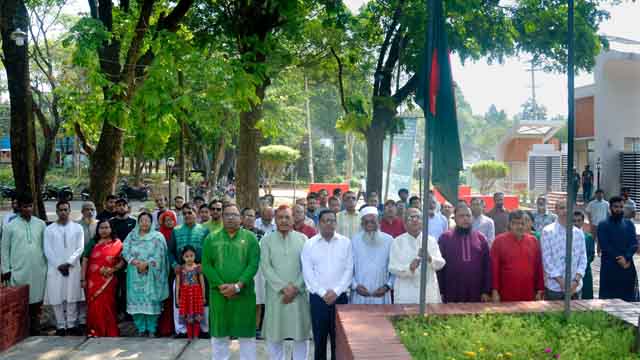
[532,69]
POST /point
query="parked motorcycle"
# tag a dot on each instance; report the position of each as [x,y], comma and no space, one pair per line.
[131,193]
[7,192]
[51,192]
[84,194]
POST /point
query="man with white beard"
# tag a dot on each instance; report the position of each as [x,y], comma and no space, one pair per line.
[372,281]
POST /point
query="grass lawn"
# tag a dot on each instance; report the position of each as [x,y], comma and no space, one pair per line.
[586,336]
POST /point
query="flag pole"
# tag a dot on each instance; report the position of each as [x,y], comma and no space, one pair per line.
[571,190]
[426,169]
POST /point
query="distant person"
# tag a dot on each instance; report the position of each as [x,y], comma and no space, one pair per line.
[323,198]
[466,277]
[266,222]
[287,301]
[161,206]
[299,222]
[576,182]
[598,211]
[553,246]
[405,262]
[499,214]
[447,211]
[403,194]
[516,263]
[23,261]
[372,282]
[63,246]
[629,212]
[587,183]
[334,204]
[312,206]
[327,266]
[230,261]
[203,214]
[587,281]
[415,202]
[617,236]
[88,221]
[626,195]
[542,216]
[215,210]
[390,223]
[481,222]
[337,192]
[348,219]
[438,224]
[178,203]
[109,210]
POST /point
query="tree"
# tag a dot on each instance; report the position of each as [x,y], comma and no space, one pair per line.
[476,29]
[24,157]
[488,172]
[532,111]
[274,159]
[120,44]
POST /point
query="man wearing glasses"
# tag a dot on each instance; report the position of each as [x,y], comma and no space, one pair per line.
[215,211]
[230,260]
[405,262]
[327,267]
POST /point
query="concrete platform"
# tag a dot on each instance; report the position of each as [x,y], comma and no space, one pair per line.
[129,348]
[43,348]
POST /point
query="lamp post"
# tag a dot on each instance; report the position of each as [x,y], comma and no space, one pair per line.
[170,163]
[598,173]
[19,36]
[294,174]
[420,176]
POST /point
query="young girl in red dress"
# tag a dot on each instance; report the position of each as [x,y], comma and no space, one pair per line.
[189,292]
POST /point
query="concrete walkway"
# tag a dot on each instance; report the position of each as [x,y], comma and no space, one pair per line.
[80,348]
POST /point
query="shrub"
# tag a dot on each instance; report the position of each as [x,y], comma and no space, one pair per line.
[274,159]
[488,172]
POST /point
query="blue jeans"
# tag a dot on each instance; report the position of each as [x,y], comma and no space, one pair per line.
[145,322]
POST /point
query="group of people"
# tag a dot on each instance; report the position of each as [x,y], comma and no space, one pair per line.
[215,270]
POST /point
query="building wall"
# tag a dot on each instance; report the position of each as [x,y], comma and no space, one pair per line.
[584,117]
[617,111]
[517,149]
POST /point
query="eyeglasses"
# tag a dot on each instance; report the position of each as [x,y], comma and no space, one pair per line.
[331,221]
[414,217]
[231,216]
[216,209]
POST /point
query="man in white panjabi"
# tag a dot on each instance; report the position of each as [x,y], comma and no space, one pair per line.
[63,246]
[372,282]
[405,263]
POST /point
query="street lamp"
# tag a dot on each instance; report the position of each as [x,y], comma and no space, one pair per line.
[420,176]
[294,174]
[598,173]
[19,36]
[170,163]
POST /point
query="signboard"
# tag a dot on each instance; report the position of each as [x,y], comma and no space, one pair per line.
[402,155]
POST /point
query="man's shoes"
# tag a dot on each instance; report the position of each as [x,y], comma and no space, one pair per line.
[61,332]
[259,334]
[180,336]
[204,335]
[74,331]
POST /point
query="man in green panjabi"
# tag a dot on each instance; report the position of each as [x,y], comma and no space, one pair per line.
[23,261]
[287,313]
[230,259]
[215,223]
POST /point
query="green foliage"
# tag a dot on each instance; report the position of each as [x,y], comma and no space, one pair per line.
[488,172]
[532,111]
[586,335]
[274,159]
[6,175]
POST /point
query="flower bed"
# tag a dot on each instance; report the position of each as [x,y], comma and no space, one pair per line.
[589,335]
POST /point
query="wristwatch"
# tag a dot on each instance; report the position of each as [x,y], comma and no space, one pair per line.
[235,286]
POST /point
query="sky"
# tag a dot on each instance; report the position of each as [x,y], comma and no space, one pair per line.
[508,85]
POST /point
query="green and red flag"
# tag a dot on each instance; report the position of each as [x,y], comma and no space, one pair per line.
[440,110]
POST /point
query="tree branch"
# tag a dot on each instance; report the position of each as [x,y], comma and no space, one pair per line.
[42,120]
[128,71]
[83,139]
[406,90]
[171,21]
[340,82]
[385,45]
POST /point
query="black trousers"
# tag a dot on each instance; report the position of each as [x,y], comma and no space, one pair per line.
[323,323]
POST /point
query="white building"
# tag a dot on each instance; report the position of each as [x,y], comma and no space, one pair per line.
[608,114]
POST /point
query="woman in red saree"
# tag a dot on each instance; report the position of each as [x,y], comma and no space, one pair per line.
[102,258]
[167,222]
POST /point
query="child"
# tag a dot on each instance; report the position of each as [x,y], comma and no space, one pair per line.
[189,292]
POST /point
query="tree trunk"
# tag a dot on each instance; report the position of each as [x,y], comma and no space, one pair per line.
[104,163]
[216,161]
[228,163]
[24,157]
[349,142]
[247,179]
[132,165]
[157,170]
[308,117]
[375,141]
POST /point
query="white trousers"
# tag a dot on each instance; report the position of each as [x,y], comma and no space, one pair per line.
[66,315]
[220,348]
[276,350]
[82,312]
[180,327]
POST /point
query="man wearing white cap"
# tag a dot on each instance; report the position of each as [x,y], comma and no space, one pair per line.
[372,281]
